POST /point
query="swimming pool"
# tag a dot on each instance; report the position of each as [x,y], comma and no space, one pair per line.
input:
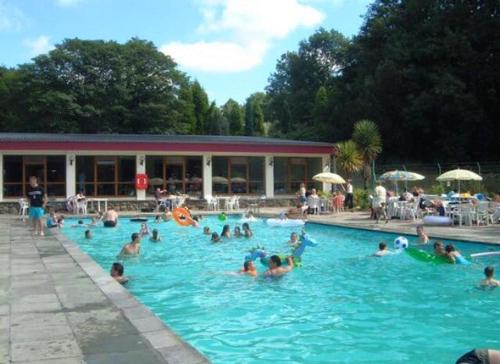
[342,306]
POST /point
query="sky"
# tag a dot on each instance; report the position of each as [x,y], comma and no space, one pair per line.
[230,46]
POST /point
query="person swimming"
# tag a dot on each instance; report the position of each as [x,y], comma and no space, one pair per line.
[167,216]
[249,269]
[117,271]
[422,236]
[294,240]
[195,221]
[80,224]
[237,232]
[215,238]
[132,248]
[226,232]
[155,236]
[247,232]
[489,281]
[382,250]
[439,249]
[206,230]
[110,218]
[88,234]
[454,255]
[144,229]
[157,219]
[275,266]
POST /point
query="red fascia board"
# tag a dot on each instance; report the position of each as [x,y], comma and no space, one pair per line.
[167,147]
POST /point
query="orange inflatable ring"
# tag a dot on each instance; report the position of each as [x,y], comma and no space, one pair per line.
[182,216]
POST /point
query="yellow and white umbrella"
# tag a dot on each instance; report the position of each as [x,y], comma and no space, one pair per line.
[401,176]
[328,177]
[459,175]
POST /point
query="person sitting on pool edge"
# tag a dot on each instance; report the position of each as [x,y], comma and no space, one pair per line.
[249,269]
[490,280]
[454,255]
[382,250]
[422,236]
[52,221]
[215,238]
[226,232]
[439,249]
[155,236]
[110,218]
[88,234]
[237,232]
[117,273]
[206,230]
[247,232]
[276,269]
[134,247]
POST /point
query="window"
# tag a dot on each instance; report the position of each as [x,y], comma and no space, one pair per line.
[175,174]
[289,173]
[106,176]
[50,170]
[240,175]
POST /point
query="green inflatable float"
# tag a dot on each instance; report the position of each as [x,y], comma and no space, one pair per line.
[426,257]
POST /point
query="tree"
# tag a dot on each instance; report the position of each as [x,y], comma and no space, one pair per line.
[255,107]
[369,143]
[233,113]
[216,124]
[348,158]
[200,101]
[258,119]
[187,117]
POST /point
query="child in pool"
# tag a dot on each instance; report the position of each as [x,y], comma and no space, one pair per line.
[117,273]
[489,281]
[88,234]
[237,232]
[206,230]
[454,255]
[249,269]
[144,229]
[275,266]
[195,222]
[439,249]
[80,224]
[382,250]
[226,232]
[155,236]
[422,236]
[157,219]
[215,238]
[294,240]
[247,232]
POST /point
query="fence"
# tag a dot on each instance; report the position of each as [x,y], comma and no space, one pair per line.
[490,171]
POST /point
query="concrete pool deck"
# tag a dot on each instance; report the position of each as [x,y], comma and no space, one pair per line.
[58,306]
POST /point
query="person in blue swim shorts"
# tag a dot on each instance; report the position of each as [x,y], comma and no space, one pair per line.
[37,200]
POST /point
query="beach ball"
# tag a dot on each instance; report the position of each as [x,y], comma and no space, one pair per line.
[400,242]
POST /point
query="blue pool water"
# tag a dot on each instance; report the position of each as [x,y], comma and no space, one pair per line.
[342,306]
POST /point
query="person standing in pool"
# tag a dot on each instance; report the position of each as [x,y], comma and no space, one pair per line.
[422,236]
[117,271]
[439,249]
[155,236]
[382,250]
[275,266]
[489,281]
[88,234]
[226,232]
[206,230]
[294,240]
[215,238]
[37,200]
[237,232]
[249,269]
[110,218]
[134,247]
[247,232]
[454,255]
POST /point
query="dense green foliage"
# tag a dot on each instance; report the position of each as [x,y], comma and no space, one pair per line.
[424,71]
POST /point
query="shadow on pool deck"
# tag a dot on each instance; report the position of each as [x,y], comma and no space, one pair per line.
[58,306]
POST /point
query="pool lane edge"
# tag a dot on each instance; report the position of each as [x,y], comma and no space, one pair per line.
[171,347]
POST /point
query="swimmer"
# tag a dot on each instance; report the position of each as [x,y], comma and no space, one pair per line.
[132,248]
[382,250]
[453,255]
[93,222]
[155,236]
[144,229]
[52,221]
[422,236]
[237,232]
[247,232]
[439,249]
[60,221]
[215,238]
[167,216]
[249,215]
[275,268]
[195,221]
[88,234]
[490,280]
[249,269]
[117,273]
[294,240]
[80,224]
[226,232]
[157,219]
[206,230]
[110,218]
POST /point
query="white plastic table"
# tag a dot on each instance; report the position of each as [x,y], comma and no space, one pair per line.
[97,202]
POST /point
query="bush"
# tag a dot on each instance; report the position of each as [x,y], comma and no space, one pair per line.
[361,199]
[437,189]
[325,194]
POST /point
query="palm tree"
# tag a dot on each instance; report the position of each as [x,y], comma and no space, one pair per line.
[348,157]
[367,138]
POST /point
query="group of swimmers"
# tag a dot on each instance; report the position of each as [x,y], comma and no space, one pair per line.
[226,232]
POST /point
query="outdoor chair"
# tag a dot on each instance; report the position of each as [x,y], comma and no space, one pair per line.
[23,207]
[483,214]
[212,203]
[464,213]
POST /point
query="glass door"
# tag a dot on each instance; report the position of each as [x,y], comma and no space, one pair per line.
[106,171]
[174,174]
[34,168]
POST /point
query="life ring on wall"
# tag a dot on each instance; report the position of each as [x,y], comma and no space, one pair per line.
[182,216]
[141,181]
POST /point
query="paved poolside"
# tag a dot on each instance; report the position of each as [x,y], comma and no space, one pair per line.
[57,306]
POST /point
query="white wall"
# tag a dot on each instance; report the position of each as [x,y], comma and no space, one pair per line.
[207,174]
[269,175]
[325,160]
[140,169]
[70,175]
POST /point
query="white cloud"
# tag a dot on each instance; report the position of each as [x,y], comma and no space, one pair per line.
[67,2]
[39,45]
[11,18]
[250,25]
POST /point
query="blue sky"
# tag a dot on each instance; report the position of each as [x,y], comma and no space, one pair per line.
[230,46]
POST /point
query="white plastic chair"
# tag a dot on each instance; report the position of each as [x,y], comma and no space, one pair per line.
[212,203]
[80,206]
[482,213]
[231,203]
[314,205]
[23,207]
[465,215]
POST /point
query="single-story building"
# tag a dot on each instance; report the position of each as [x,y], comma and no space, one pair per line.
[106,165]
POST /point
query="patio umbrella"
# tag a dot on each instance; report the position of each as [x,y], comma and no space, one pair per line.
[328,177]
[220,179]
[238,180]
[156,181]
[459,175]
[397,176]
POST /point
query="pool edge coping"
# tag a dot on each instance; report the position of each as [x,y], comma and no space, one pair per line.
[167,344]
